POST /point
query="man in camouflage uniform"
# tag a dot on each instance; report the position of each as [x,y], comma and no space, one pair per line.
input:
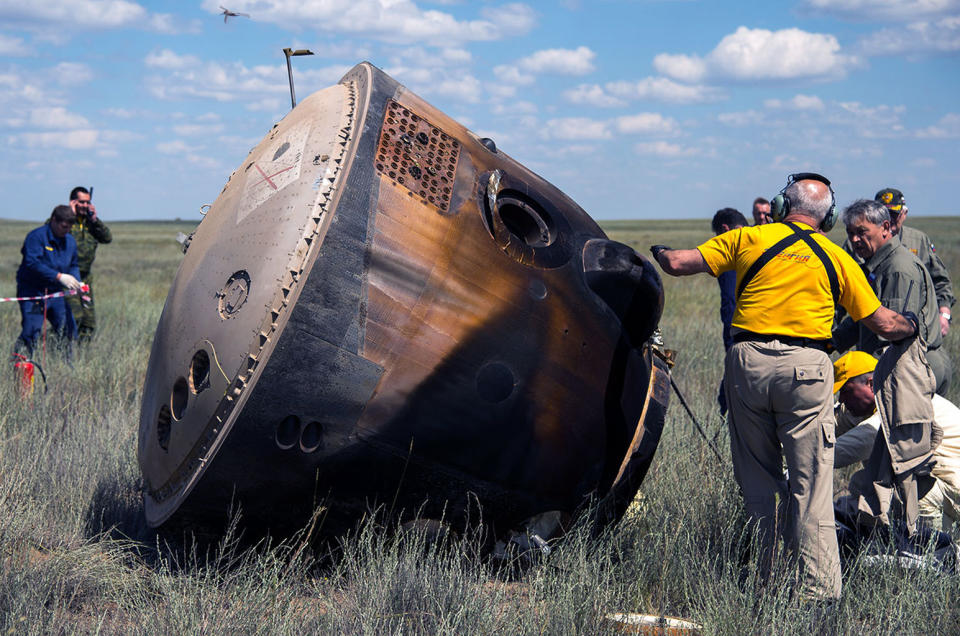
[89,231]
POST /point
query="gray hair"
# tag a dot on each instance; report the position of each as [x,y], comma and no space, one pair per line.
[868,209]
[812,204]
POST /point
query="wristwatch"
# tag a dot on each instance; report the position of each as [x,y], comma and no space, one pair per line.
[946,314]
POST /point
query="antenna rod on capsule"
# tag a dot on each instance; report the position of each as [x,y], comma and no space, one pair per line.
[288,53]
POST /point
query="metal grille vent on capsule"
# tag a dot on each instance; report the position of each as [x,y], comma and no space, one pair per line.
[417,155]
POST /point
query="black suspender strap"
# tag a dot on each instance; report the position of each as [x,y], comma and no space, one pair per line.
[784,243]
[768,255]
[822,255]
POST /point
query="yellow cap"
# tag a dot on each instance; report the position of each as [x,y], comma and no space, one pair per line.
[850,366]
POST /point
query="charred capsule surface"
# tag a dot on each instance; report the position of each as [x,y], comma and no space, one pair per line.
[378,308]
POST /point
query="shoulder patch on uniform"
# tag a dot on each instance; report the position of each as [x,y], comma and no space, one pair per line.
[932,248]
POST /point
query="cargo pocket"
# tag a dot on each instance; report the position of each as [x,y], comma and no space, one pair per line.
[809,373]
[809,389]
[829,441]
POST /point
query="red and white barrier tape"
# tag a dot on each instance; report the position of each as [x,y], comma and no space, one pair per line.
[61,294]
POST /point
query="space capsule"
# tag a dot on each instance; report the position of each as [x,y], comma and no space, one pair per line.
[382,309]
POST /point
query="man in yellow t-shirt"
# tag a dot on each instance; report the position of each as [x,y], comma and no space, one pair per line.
[777,374]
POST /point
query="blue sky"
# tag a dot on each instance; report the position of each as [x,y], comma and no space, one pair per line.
[635,108]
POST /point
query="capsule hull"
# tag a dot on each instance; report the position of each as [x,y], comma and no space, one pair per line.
[382,310]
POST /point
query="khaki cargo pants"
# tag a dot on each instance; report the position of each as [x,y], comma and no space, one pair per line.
[782,395]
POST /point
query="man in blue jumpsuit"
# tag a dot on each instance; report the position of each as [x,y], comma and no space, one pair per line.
[725,220]
[49,265]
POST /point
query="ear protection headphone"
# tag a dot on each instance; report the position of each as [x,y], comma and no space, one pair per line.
[780,205]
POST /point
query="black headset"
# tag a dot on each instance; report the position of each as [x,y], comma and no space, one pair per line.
[780,205]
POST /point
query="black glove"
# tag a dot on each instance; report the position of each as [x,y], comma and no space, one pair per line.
[913,320]
[657,250]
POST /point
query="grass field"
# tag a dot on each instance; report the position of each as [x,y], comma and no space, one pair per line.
[75,556]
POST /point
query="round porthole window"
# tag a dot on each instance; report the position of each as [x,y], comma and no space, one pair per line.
[523,218]
[524,223]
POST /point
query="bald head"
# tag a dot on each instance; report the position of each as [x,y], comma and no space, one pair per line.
[809,197]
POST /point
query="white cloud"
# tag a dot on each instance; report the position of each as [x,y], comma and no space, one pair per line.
[421,57]
[176,147]
[342,50]
[120,113]
[120,136]
[456,56]
[798,102]
[167,59]
[98,14]
[664,149]
[64,15]
[578,61]
[466,88]
[71,139]
[172,25]
[664,90]
[16,89]
[592,95]
[197,130]
[522,72]
[72,73]
[13,47]
[233,81]
[759,54]
[648,124]
[447,82]
[939,36]
[205,161]
[947,128]
[266,105]
[511,74]
[576,128]
[740,119]
[686,68]
[519,107]
[893,10]
[871,122]
[399,21]
[57,117]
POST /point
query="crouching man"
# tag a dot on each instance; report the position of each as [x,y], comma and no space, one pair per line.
[858,422]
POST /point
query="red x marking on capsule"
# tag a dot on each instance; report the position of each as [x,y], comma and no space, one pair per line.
[266,177]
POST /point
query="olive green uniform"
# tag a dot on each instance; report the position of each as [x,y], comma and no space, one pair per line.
[88,234]
[893,271]
[921,246]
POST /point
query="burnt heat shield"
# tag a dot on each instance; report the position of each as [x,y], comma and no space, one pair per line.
[381,308]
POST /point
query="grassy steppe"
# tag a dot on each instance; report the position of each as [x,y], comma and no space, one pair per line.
[75,556]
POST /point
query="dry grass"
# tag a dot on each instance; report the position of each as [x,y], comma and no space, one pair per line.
[75,556]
